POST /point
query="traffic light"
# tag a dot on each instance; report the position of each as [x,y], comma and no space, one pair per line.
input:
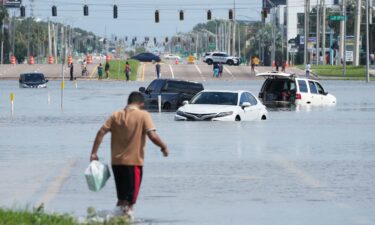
[105,41]
[85,10]
[126,38]
[192,40]
[114,11]
[264,13]
[54,10]
[157,19]
[166,40]
[22,11]
[154,41]
[181,15]
[230,14]
[209,15]
[178,39]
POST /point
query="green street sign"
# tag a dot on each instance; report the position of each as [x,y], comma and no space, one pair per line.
[338,18]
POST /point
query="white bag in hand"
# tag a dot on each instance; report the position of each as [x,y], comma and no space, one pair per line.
[97,175]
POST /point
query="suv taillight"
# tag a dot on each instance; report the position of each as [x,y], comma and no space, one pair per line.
[298,96]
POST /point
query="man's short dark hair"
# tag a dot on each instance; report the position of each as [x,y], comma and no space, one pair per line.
[136,97]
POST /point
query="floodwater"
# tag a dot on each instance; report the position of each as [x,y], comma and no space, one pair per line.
[313,166]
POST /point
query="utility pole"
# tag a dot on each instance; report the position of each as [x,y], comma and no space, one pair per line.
[62,56]
[234,29]
[324,31]
[307,24]
[317,55]
[344,38]
[367,43]
[49,39]
[196,45]
[228,35]
[239,41]
[2,35]
[274,35]
[357,32]
[55,34]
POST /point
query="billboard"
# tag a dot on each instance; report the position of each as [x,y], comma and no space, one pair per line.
[11,3]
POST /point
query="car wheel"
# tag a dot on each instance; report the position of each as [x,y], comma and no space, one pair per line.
[238,118]
[230,62]
[209,61]
[167,106]
[264,117]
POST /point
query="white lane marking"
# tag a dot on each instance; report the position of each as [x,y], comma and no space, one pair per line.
[196,66]
[308,179]
[200,72]
[170,67]
[55,186]
[228,71]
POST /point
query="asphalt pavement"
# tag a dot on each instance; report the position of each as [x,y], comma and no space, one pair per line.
[146,72]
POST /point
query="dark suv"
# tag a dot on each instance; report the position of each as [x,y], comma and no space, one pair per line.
[32,80]
[172,92]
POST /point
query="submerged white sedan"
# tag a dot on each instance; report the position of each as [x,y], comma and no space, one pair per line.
[222,106]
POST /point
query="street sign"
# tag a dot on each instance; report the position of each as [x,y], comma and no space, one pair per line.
[349,56]
[338,18]
[11,3]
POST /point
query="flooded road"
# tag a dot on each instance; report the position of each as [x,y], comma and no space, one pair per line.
[313,166]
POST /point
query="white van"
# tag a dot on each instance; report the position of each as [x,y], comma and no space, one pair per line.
[283,89]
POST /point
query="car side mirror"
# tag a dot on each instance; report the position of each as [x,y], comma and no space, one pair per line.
[325,93]
[245,104]
[142,89]
[185,102]
[46,81]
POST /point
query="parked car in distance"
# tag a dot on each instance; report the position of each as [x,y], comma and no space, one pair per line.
[222,106]
[32,80]
[171,56]
[146,57]
[173,93]
[221,57]
[284,90]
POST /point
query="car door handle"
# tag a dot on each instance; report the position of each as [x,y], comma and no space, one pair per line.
[308,102]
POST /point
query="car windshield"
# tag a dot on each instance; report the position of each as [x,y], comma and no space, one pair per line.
[33,77]
[215,98]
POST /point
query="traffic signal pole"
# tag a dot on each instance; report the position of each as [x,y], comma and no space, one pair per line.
[367,43]
[307,16]
[324,31]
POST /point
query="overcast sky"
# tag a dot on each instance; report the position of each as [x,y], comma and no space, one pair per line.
[136,17]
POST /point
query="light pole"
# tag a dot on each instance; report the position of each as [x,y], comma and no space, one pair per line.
[307,24]
[367,43]
[273,53]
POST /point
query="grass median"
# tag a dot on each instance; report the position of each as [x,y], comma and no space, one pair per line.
[117,69]
[331,71]
[39,217]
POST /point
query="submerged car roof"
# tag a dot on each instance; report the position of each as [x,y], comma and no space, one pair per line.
[276,74]
[226,91]
[166,79]
[24,74]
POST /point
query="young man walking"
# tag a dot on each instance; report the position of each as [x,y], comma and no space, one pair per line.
[129,128]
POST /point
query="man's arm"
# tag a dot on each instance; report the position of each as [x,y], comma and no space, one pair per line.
[154,137]
[97,142]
